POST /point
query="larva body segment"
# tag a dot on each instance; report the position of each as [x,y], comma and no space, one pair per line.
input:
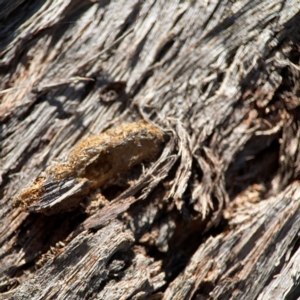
[94,162]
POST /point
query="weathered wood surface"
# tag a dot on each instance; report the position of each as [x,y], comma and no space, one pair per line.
[216,215]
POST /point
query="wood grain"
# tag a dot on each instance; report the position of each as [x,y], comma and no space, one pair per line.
[214,213]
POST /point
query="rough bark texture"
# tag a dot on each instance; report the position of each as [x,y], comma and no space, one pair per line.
[216,215]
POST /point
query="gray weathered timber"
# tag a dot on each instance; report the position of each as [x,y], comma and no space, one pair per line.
[216,214]
[241,261]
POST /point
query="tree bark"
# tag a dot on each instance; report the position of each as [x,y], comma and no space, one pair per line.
[199,196]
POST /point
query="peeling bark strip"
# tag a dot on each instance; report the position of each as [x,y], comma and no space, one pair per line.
[94,162]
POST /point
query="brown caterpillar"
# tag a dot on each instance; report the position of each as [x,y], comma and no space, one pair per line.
[94,162]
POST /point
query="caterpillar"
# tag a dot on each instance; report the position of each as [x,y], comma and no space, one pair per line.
[94,162]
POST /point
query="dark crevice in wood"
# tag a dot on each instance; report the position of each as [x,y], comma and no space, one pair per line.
[132,17]
[164,50]
[135,56]
[38,233]
[261,168]
[15,15]
[141,82]
[227,22]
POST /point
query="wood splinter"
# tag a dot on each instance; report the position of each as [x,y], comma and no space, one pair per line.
[94,162]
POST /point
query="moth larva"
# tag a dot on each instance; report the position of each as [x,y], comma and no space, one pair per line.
[94,162]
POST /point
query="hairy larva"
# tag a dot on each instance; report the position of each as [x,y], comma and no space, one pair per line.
[95,161]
